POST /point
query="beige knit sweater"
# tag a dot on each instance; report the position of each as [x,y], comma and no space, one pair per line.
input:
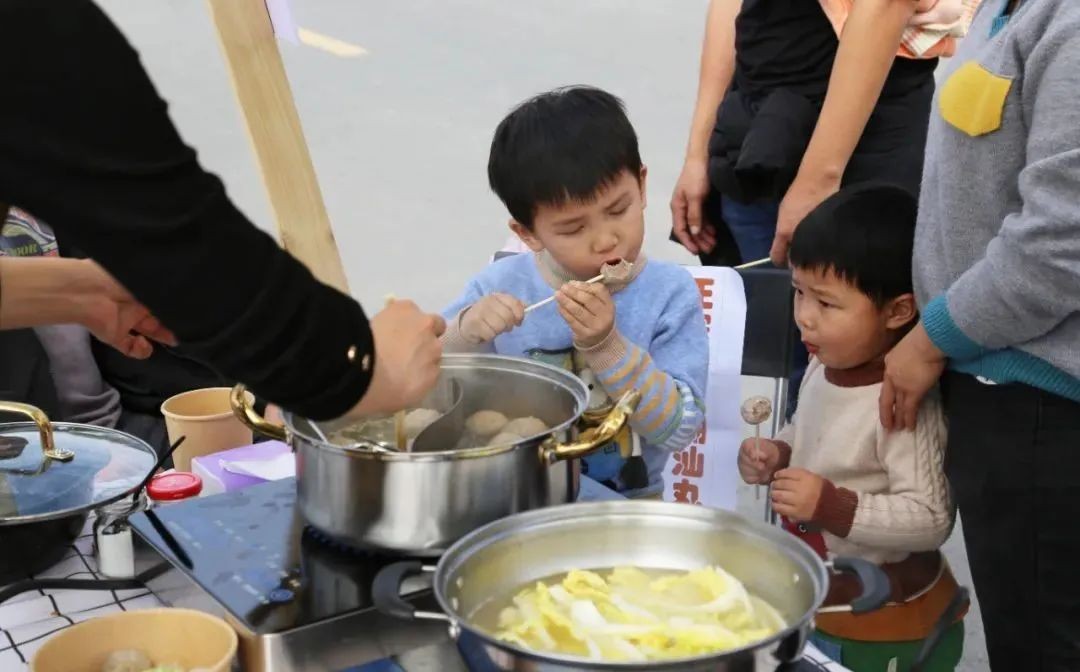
[886,495]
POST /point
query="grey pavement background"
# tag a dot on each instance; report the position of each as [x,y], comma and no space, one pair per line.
[399,136]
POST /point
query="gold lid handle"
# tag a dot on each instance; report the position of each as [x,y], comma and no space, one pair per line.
[244,412]
[597,437]
[48,444]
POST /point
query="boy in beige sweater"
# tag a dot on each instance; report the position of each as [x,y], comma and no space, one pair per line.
[842,482]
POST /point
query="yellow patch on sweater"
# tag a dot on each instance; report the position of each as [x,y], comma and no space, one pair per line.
[973,98]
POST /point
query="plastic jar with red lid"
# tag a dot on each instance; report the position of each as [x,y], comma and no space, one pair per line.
[174,486]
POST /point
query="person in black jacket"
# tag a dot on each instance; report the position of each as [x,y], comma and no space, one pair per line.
[86,144]
[787,112]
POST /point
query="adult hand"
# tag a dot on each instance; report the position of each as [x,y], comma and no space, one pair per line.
[804,194]
[588,310]
[796,492]
[911,369]
[113,315]
[407,357]
[687,204]
[490,316]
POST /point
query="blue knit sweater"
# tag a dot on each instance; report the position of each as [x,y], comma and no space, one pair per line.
[659,346]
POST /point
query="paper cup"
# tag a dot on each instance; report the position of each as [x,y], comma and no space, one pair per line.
[206,419]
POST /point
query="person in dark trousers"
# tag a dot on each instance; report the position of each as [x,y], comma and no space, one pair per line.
[786,113]
[997,276]
[86,144]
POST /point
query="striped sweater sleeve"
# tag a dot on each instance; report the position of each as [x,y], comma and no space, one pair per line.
[671,411]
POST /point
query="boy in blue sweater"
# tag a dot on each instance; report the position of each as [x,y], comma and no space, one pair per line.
[566,164]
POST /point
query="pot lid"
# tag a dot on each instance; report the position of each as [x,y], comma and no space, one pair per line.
[86,467]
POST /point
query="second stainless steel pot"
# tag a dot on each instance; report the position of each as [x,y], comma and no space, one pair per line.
[421,503]
[486,568]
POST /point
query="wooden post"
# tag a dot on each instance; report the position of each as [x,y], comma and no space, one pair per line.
[273,125]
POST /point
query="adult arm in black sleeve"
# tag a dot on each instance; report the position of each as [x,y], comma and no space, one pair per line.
[86,143]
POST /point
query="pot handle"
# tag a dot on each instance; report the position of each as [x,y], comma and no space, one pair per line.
[876,588]
[246,414]
[960,601]
[386,592]
[596,437]
[48,444]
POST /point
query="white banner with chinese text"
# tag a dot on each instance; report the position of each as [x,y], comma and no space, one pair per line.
[706,472]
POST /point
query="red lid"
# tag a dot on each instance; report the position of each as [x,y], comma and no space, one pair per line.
[174,486]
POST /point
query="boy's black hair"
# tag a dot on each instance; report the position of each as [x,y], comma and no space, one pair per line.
[561,146]
[865,235]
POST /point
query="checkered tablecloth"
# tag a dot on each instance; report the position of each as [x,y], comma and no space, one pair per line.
[27,620]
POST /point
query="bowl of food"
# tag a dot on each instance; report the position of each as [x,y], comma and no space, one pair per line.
[152,640]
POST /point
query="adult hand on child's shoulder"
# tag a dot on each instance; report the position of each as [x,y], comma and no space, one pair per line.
[912,368]
[796,492]
[490,316]
[758,459]
[589,311]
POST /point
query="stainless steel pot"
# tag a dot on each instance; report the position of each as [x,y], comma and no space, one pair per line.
[421,503]
[496,561]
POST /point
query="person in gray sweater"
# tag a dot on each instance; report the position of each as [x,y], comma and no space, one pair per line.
[997,277]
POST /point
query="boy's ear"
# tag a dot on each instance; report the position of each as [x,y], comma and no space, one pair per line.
[526,236]
[901,311]
[642,179]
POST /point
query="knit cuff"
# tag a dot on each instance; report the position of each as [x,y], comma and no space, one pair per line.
[605,354]
[835,510]
[454,340]
[943,331]
[785,458]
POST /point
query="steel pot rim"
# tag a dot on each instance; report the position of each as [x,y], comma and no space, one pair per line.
[289,431]
[387,584]
[552,515]
[539,370]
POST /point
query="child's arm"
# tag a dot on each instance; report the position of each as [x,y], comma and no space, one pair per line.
[916,514]
[670,375]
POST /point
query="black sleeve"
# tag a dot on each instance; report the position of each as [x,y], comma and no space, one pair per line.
[86,144]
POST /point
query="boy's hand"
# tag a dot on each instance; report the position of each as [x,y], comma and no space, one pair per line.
[589,311]
[795,493]
[756,466]
[490,316]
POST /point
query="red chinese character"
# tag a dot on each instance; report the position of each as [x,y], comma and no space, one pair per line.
[686,492]
[689,463]
[703,434]
[705,289]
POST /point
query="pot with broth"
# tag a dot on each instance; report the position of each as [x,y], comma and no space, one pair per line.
[630,585]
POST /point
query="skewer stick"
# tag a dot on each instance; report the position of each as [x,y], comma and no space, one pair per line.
[541,304]
[401,439]
[754,264]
